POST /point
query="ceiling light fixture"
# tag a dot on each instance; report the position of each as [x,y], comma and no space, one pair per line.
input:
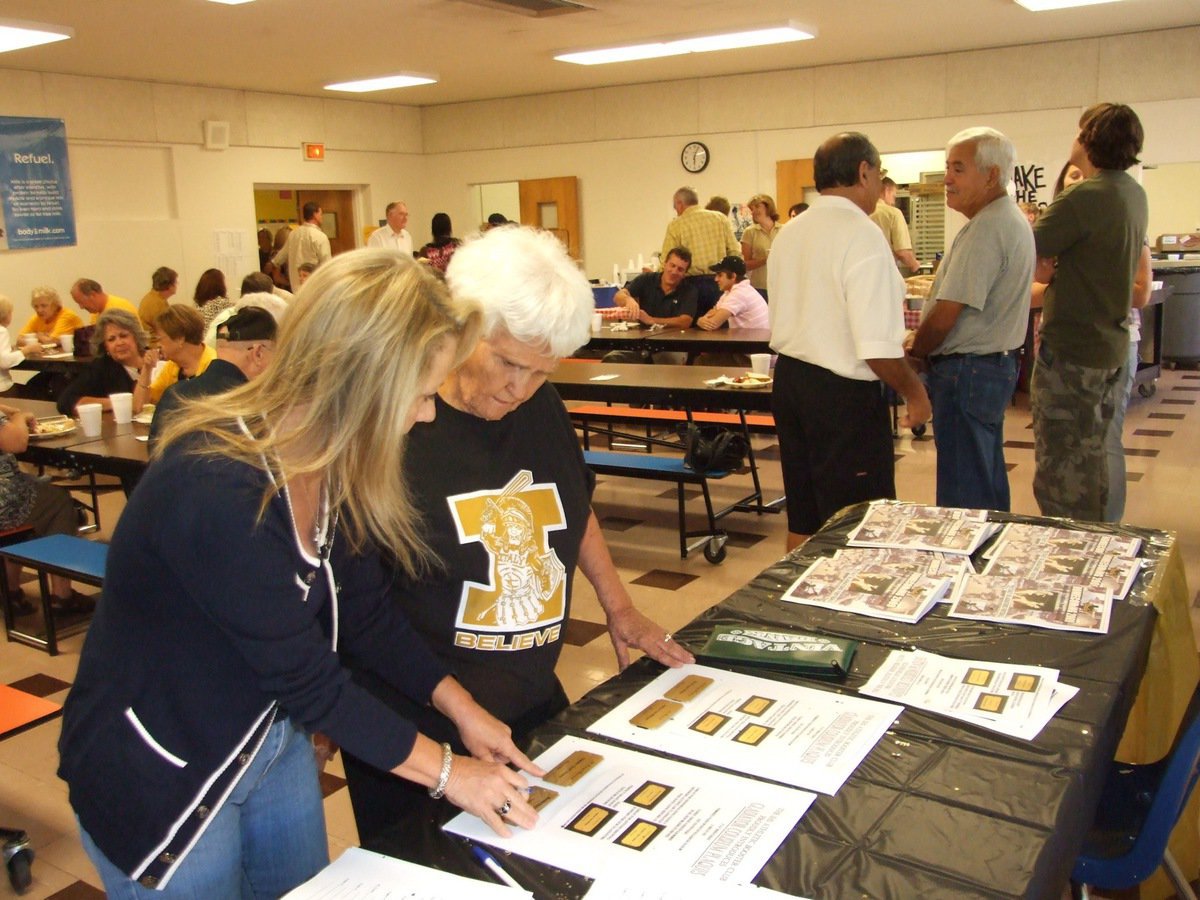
[386,83]
[17,35]
[736,40]
[231,2]
[1046,5]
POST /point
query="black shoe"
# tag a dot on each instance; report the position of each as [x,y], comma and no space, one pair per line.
[74,603]
[21,605]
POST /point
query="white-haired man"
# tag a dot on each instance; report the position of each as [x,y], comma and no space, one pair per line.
[972,330]
[505,497]
[393,235]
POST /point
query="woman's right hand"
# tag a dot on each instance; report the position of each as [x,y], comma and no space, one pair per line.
[483,788]
[151,358]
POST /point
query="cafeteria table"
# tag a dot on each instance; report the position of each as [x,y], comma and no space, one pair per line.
[116,451]
[61,363]
[938,808]
[692,341]
[677,387]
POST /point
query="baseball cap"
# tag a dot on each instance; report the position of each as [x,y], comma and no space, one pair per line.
[249,323]
[732,264]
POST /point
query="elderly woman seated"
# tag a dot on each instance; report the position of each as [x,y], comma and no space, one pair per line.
[50,321]
[181,343]
[118,344]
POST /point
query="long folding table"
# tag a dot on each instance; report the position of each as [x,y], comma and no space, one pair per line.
[939,808]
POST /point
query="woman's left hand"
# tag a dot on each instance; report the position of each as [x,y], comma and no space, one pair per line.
[629,628]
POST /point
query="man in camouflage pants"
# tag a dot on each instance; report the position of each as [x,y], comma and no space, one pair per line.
[1095,231]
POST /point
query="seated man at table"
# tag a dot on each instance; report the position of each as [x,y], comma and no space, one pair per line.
[500,484]
[245,344]
[93,298]
[658,298]
[740,306]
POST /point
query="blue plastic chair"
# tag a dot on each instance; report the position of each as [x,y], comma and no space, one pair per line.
[1138,809]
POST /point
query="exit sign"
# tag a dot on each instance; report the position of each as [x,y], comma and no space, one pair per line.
[314,152]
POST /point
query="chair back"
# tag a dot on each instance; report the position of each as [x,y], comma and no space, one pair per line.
[1175,787]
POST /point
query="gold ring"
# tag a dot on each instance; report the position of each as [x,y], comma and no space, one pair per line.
[667,639]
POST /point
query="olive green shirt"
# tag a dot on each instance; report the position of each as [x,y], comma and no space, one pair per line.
[1096,230]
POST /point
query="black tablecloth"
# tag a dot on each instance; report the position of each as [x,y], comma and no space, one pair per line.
[939,808]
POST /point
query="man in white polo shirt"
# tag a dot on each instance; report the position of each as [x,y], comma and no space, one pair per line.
[838,327]
[393,235]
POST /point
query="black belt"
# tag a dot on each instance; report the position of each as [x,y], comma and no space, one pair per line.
[946,357]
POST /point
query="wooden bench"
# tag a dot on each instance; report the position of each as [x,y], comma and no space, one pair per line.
[663,468]
[58,554]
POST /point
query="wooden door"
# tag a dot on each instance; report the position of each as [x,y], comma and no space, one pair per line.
[553,204]
[338,220]
[792,177]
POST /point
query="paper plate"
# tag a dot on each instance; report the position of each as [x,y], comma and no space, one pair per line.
[53,427]
[751,384]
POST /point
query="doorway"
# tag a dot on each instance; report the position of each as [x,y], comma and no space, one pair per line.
[551,204]
[275,207]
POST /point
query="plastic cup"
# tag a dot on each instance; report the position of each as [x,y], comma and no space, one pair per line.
[597,321]
[89,417]
[68,342]
[760,363]
[122,407]
[29,339]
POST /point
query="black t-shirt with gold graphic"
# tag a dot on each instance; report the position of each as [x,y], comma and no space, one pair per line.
[504,505]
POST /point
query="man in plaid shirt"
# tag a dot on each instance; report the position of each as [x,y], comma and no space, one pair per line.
[708,235]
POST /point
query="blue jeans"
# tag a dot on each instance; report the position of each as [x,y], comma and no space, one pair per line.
[267,838]
[969,396]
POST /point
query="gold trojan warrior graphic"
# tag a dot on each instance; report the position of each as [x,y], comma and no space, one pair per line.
[526,574]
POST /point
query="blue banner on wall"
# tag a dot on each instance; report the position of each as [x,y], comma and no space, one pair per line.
[35,184]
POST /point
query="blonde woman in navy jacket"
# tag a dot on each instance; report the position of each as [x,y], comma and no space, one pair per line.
[244,562]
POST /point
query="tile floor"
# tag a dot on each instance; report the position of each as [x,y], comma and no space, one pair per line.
[639,519]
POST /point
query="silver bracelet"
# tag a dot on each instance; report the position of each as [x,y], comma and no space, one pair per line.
[439,791]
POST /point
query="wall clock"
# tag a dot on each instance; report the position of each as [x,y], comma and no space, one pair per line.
[694,157]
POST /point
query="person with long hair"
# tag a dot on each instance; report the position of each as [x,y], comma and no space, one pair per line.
[246,562]
[442,247]
[211,296]
[506,500]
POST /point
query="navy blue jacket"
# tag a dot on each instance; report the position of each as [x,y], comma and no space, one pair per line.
[212,623]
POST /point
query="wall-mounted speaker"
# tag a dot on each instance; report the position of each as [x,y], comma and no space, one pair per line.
[216,135]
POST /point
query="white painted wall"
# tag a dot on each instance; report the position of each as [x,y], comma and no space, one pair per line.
[148,194]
